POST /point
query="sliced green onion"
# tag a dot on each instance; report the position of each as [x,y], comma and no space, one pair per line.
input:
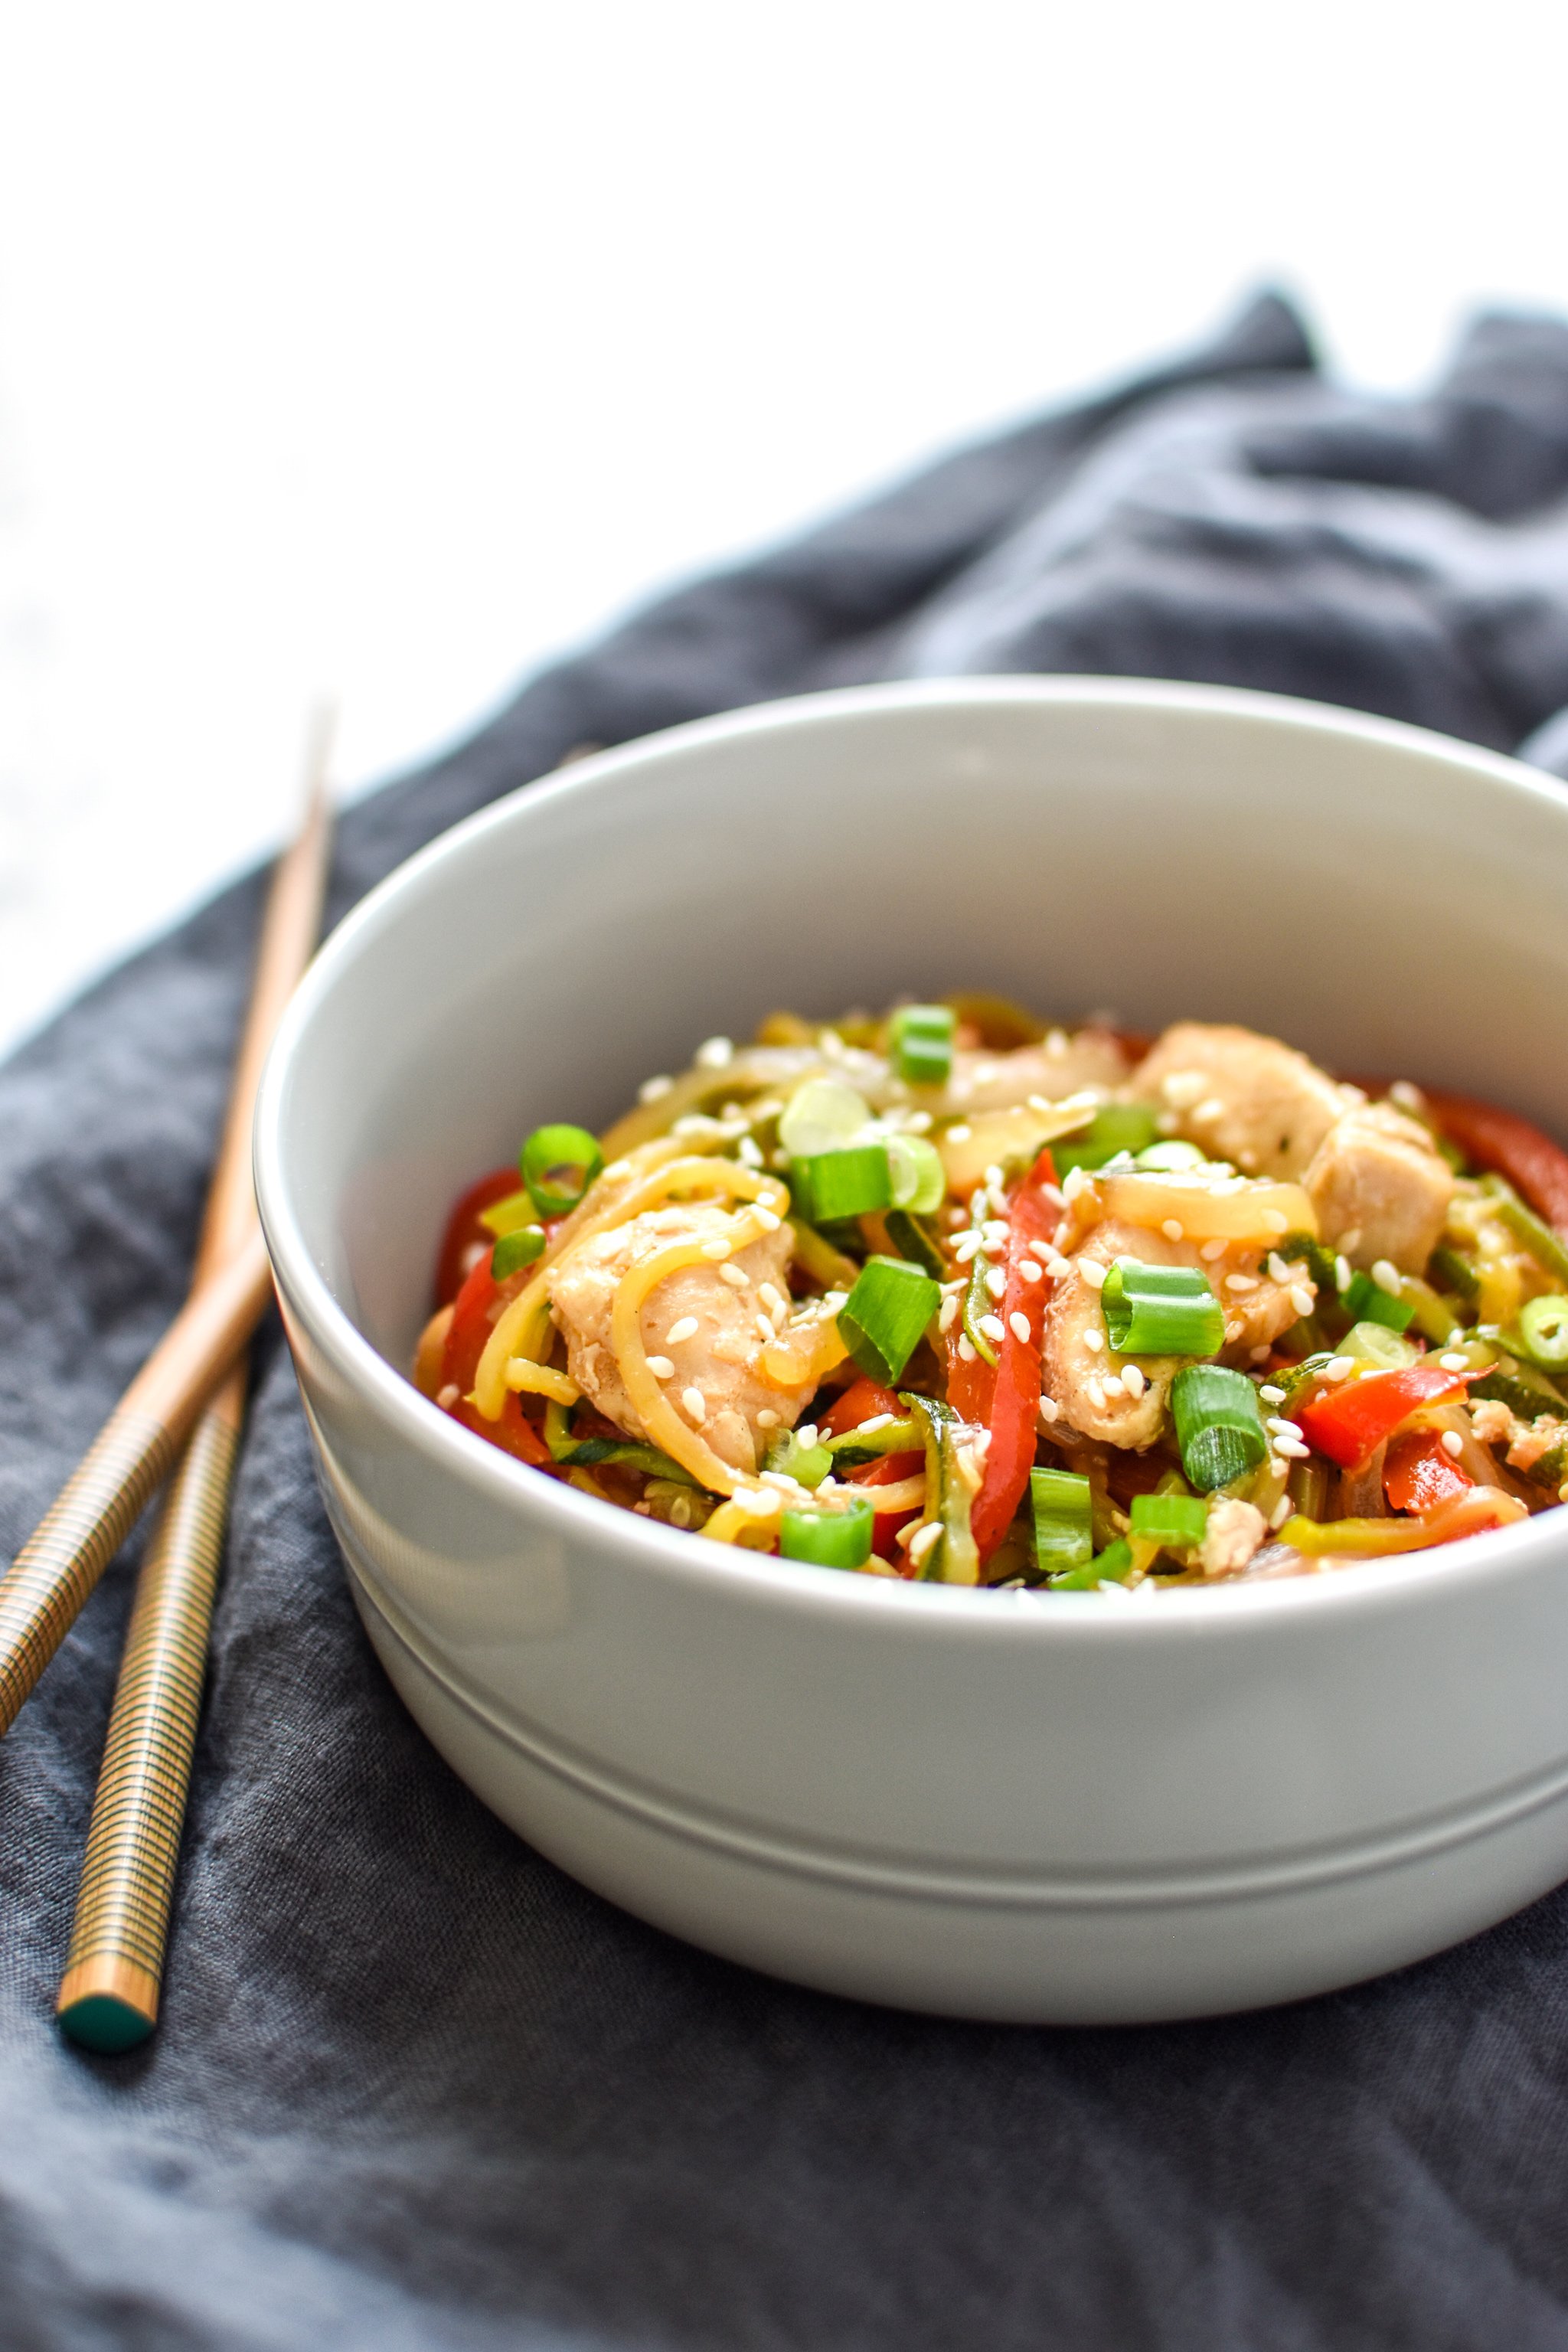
[921,1041]
[848,1184]
[1115,1127]
[506,1216]
[1060,1505]
[1367,1302]
[808,1466]
[954,1558]
[883,1319]
[515,1250]
[1113,1566]
[1176,1521]
[558,1165]
[1171,1158]
[1543,1332]
[1375,1343]
[1219,1425]
[822,1115]
[916,1241]
[1545,1246]
[918,1178]
[1160,1310]
[829,1539]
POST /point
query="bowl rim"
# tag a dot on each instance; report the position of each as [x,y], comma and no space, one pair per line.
[552,1509]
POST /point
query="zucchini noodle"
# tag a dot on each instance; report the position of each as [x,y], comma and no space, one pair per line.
[540,1381]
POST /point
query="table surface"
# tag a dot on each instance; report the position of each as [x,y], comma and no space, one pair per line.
[338,362]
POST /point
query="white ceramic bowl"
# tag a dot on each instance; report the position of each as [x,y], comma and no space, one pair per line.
[1001,1805]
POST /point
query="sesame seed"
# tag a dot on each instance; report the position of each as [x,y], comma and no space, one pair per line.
[1057,1042]
[448,1397]
[1351,1242]
[1166,1122]
[947,1314]
[1274,1221]
[1407,1097]
[1453,1443]
[966,1349]
[696,1404]
[765,1331]
[924,1540]
[1049,1408]
[833,1299]
[736,1276]
[808,1432]
[1283,1428]
[1093,1273]
[993,1327]
[717,1248]
[1057,1267]
[716,1054]
[1173,1229]
[1258,1355]
[994,1231]
[878,1420]
[1030,1271]
[1019,1326]
[965,1247]
[1210,1110]
[1241,1282]
[1211,1250]
[996,1282]
[1302,1300]
[1342,1271]
[1338,1368]
[1281,1511]
[1096,1392]
[983,1073]
[918,1123]
[959,1134]
[1133,1379]
[767,1418]
[1035,1102]
[749,1153]
[758,1503]
[1292,1448]
[651,1089]
[662,1368]
[994,1174]
[773,1299]
[1094,1341]
[1112,1384]
[1386,1276]
[1454,1362]
[1278,1269]
[1272,1395]
[1077,1182]
[768,1219]
[686,1328]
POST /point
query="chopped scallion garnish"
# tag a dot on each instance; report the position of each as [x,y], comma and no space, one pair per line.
[883,1319]
[1115,1127]
[515,1250]
[848,1183]
[1219,1425]
[1176,1521]
[808,1466]
[822,1115]
[918,1178]
[1367,1302]
[1060,1505]
[1543,1329]
[838,1538]
[558,1165]
[1160,1310]
[916,1241]
[920,1041]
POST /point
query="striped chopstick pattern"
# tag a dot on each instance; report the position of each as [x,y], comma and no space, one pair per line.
[61,1561]
[114,1971]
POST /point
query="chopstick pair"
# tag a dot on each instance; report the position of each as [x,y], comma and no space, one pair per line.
[193,1385]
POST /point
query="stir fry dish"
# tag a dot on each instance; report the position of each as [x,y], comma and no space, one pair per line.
[953,1296]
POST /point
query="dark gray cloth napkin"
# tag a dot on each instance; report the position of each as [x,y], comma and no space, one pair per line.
[413,2087]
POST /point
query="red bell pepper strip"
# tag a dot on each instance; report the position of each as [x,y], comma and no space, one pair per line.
[1349,1423]
[863,1399]
[886,1471]
[1420,1474]
[464,1229]
[1535,1166]
[474,1313]
[1032,1219]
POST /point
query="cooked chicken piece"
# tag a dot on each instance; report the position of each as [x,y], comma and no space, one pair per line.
[1380,1187]
[1235,1531]
[1059,1065]
[702,1323]
[1241,1097]
[1075,1355]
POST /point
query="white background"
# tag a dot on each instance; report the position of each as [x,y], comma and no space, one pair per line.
[392,349]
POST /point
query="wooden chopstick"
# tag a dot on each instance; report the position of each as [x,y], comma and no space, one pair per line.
[109,1993]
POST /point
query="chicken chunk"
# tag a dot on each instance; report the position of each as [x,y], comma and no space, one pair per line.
[1380,1187]
[1076,1356]
[1235,1531]
[1059,1065]
[1241,1097]
[700,1321]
